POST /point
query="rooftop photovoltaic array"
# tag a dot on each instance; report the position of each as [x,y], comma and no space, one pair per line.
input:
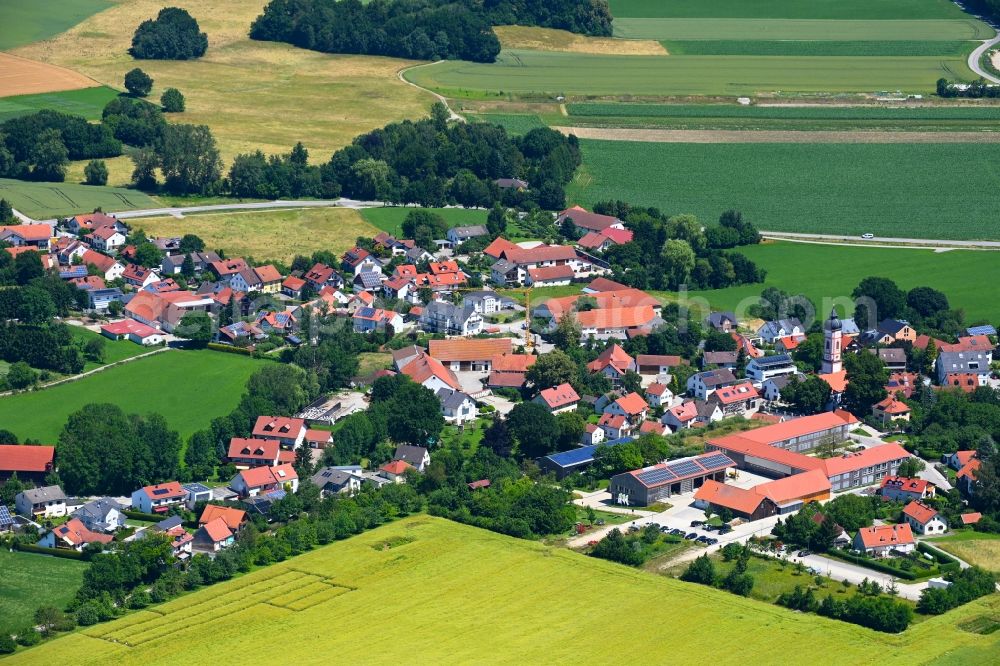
[654,476]
[716,460]
[682,469]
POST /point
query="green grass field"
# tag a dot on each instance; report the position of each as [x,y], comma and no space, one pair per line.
[902,190]
[516,124]
[189,388]
[48,200]
[821,29]
[832,272]
[550,73]
[23,23]
[613,109]
[813,47]
[88,103]
[30,581]
[483,597]
[391,218]
[786,9]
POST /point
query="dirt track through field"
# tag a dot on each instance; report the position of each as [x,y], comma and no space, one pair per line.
[773,136]
[20,76]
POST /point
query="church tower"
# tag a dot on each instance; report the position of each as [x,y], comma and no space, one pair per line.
[832,344]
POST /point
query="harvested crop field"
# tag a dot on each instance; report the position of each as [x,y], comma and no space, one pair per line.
[251,94]
[268,234]
[50,200]
[21,76]
[441,572]
[773,136]
[545,39]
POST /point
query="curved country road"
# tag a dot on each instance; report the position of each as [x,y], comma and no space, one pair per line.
[882,241]
[976,56]
[441,98]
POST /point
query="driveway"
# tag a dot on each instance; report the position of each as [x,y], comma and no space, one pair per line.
[853,573]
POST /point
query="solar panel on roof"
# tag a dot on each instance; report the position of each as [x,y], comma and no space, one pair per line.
[5,517]
[366,312]
[717,460]
[685,468]
[161,491]
[655,476]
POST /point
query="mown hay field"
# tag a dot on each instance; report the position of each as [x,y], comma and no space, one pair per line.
[267,234]
[481,597]
[981,549]
[916,190]
[832,272]
[550,74]
[546,39]
[189,388]
[252,94]
[50,200]
[787,9]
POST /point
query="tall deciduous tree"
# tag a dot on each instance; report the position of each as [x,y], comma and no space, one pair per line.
[138,82]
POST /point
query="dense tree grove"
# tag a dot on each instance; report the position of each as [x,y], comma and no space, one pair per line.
[420,29]
[102,450]
[39,146]
[669,251]
[172,35]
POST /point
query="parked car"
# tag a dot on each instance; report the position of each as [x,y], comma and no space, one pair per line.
[868,236]
[692,536]
[805,552]
[697,523]
[677,532]
[725,529]
[702,539]
[665,529]
[712,541]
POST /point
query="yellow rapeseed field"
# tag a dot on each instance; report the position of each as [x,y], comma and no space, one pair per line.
[427,591]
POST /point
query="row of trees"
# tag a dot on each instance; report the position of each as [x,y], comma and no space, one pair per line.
[872,610]
[420,29]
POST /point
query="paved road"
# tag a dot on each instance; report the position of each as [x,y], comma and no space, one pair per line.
[880,241]
[976,56]
[839,570]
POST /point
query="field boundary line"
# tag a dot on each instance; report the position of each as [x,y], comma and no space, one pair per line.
[885,243]
[66,380]
[774,136]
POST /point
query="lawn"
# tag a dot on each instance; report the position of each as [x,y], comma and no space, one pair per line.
[268,234]
[549,73]
[786,9]
[30,581]
[478,593]
[370,362]
[252,94]
[88,102]
[26,21]
[114,350]
[516,124]
[829,273]
[189,388]
[978,548]
[902,190]
[49,200]
[390,219]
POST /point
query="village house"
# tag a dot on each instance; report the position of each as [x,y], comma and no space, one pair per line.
[457,407]
[723,322]
[883,539]
[549,276]
[368,320]
[511,184]
[106,239]
[905,489]
[100,300]
[893,357]
[130,329]
[510,370]
[287,431]
[659,395]
[771,388]
[395,471]
[158,498]
[613,363]
[615,426]
[890,409]
[213,536]
[558,399]
[338,480]
[200,261]
[741,399]
[475,354]
[108,267]
[592,434]
[258,481]
[451,319]
[923,519]
[427,371]
[585,221]
[766,367]
[656,364]
[951,365]
[86,223]
[257,453]
[73,535]
[101,515]
[293,286]
[656,483]
[599,241]
[458,235]
[485,302]
[318,439]
[41,503]
[139,276]
[631,406]
[691,413]
[781,328]
[416,456]
[703,384]
[34,236]
[719,359]
[897,329]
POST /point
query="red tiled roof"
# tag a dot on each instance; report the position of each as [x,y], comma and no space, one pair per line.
[602,284]
[643,360]
[614,356]
[920,512]
[876,455]
[30,232]
[730,497]
[481,483]
[629,317]
[967,382]
[254,449]
[632,404]
[586,220]
[971,518]
[75,533]
[656,389]
[442,267]
[684,412]
[559,396]
[513,362]
[469,349]
[217,530]
[544,273]
[617,236]
[167,490]
[293,283]
[905,484]
[891,405]
[836,380]
[423,367]
[616,421]
[795,487]
[539,254]
[592,240]
[882,536]
[652,427]
[972,343]
[228,266]
[103,262]
[26,458]
[129,326]
[741,392]
[498,247]
[969,470]
[396,467]
[278,426]
[506,379]
[323,436]
[231,517]
[268,273]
